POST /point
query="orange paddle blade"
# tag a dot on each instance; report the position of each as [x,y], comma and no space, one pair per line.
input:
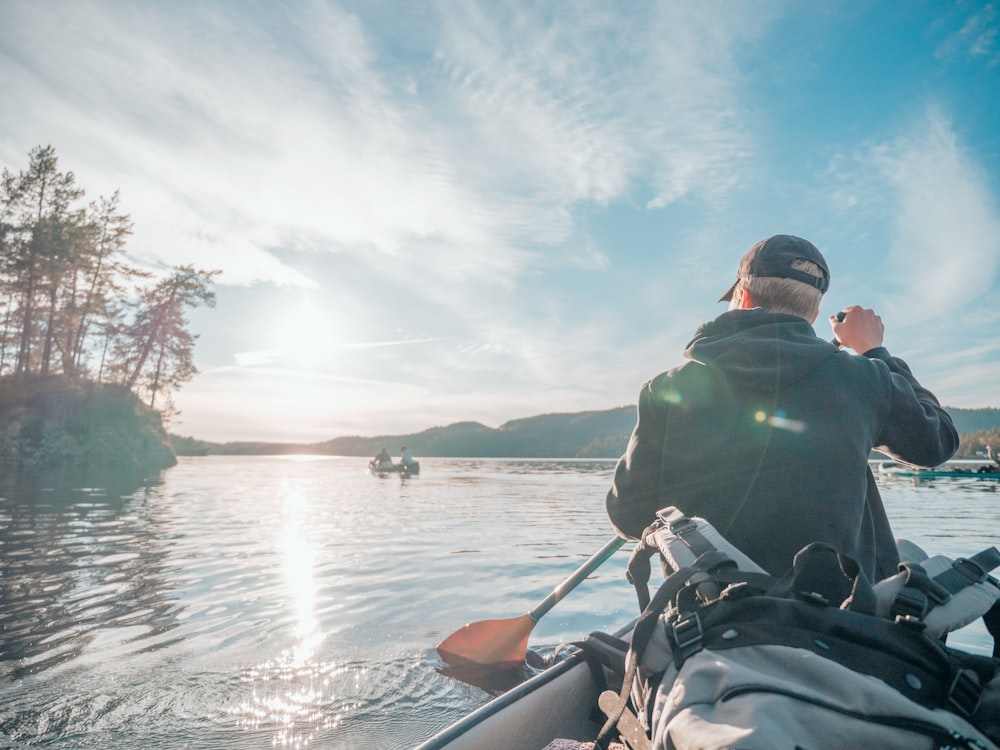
[504,643]
[494,642]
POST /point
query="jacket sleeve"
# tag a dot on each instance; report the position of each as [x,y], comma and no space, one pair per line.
[633,499]
[917,429]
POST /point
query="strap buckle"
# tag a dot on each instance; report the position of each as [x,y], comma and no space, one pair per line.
[679,525]
[910,602]
[965,692]
[972,570]
[687,633]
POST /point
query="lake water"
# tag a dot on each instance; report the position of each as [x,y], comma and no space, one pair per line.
[296,602]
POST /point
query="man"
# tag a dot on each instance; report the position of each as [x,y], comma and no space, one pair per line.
[767,429]
[405,457]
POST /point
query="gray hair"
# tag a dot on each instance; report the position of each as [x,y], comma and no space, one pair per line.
[785,295]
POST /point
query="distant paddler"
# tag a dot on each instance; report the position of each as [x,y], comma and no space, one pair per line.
[406,460]
[382,461]
[994,466]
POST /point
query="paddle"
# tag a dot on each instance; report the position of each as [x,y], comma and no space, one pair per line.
[504,643]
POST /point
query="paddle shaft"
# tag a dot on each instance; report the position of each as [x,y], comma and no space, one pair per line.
[598,559]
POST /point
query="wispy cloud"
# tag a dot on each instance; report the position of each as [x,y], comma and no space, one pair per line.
[978,37]
[945,248]
[669,116]
[272,356]
[250,148]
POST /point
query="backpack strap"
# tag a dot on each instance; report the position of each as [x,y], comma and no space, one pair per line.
[601,651]
[641,635]
[639,569]
[629,727]
[968,570]
[922,593]
[681,541]
[687,531]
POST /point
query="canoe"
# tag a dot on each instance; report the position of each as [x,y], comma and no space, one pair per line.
[942,473]
[553,704]
[383,471]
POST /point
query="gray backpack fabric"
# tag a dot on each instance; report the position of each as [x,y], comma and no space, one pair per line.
[723,657]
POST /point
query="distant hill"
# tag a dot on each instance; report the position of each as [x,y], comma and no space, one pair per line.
[975,420]
[589,434]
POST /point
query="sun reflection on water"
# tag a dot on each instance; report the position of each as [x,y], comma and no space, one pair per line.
[296,695]
[297,701]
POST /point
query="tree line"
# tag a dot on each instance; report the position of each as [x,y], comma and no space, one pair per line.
[72,304]
[974,443]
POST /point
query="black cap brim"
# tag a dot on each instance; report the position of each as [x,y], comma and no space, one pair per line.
[729,292]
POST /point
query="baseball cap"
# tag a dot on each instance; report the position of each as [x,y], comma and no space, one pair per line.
[775,256]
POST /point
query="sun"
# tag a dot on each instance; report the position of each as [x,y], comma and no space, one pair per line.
[305,336]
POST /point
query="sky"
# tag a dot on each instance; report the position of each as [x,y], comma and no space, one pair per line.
[428,213]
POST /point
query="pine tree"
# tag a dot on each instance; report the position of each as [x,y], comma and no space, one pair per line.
[39,229]
[158,345]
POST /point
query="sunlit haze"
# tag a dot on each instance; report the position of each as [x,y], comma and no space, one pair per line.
[436,212]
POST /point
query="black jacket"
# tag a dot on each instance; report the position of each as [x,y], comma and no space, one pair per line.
[766,433]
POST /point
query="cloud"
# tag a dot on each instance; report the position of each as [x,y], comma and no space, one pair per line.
[539,89]
[978,37]
[228,146]
[232,136]
[945,248]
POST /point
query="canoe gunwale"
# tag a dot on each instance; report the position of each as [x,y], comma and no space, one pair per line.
[443,738]
[476,718]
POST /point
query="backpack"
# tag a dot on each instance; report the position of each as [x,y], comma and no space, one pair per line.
[726,656]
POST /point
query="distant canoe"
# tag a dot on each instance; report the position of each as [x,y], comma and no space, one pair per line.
[899,471]
[382,470]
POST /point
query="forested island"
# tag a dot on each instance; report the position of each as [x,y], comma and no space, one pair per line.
[91,345]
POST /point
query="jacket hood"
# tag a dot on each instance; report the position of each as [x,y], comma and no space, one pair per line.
[759,350]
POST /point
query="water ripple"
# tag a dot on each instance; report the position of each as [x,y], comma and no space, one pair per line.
[268,602]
